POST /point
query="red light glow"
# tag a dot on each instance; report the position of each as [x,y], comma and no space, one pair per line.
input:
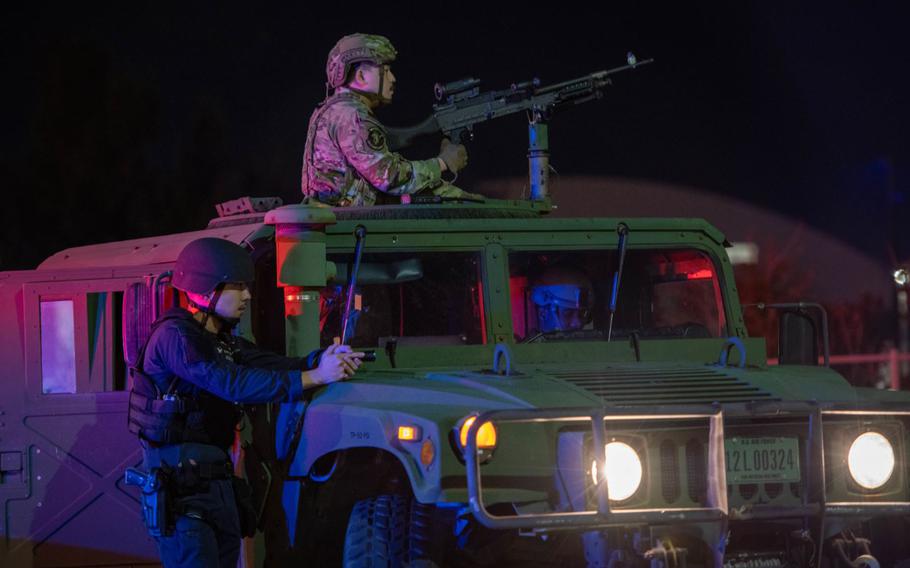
[703,274]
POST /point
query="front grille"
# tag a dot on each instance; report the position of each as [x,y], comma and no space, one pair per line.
[669,471]
[696,471]
[630,385]
[681,475]
[748,490]
[752,493]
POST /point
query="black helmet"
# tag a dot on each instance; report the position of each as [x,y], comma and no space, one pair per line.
[207,262]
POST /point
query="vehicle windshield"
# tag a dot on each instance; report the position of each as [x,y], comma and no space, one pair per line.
[417,299]
[664,294]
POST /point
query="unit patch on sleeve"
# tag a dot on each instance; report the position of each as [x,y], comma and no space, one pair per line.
[376,139]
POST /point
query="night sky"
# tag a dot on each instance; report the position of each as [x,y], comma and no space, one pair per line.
[128,121]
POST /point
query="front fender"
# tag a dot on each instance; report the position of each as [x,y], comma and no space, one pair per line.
[331,428]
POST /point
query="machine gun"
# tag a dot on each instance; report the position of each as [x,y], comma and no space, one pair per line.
[461,105]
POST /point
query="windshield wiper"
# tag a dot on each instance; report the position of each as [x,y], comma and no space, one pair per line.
[622,230]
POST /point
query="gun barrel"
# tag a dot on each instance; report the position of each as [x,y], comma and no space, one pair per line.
[596,80]
[626,67]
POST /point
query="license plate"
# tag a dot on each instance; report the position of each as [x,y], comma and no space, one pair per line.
[759,460]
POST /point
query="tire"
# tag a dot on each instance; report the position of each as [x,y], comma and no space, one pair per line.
[392,531]
[377,534]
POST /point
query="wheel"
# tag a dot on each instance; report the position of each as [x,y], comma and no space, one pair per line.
[394,531]
[377,533]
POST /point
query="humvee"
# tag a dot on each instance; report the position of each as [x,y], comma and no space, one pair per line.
[651,433]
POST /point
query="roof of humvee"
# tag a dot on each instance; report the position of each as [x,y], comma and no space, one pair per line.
[508,215]
[138,252]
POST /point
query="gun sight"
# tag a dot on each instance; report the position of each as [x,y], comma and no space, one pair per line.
[450,90]
[532,84]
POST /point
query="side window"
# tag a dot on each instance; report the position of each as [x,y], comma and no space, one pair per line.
[58,347]
[81,349]
[416,298]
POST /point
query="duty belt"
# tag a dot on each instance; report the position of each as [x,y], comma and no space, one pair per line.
[192,475]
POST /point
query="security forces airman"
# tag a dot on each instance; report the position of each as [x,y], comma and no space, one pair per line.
[190,377]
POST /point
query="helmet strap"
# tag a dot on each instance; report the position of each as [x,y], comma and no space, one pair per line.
[379,91]
[382,73]
[208,311]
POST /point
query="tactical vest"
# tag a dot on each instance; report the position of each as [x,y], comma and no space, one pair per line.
[307,186]
[164,418]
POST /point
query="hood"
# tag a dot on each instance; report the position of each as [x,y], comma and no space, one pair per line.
[615,384]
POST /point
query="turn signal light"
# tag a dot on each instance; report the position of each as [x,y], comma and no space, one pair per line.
[427,452]
[486,434]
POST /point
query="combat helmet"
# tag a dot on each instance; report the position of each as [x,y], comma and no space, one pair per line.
[355,48]
[205,263]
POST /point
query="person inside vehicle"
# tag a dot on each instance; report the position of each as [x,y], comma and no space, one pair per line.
[563,298]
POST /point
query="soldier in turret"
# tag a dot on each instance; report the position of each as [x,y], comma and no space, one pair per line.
[347,160]
[190,377]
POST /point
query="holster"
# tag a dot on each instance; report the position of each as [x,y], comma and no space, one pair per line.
[157,498]
[243,496]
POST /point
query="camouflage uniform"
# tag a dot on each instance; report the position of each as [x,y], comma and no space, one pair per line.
[347,159]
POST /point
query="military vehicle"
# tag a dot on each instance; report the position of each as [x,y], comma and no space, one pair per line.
[544,391]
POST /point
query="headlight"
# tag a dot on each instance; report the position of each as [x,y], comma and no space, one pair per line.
[871,460]
[623,471]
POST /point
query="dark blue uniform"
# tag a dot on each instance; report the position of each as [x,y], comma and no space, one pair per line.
[216,373]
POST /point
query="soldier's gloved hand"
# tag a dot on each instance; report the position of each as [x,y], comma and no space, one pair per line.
[338,362]
[451,191]
[455,156]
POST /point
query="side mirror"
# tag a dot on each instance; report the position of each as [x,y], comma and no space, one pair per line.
[798,332]
[797,338]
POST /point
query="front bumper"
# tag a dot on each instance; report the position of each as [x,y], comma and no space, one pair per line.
[816,504]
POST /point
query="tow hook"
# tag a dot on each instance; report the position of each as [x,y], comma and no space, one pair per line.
[665,555]
[849,545]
